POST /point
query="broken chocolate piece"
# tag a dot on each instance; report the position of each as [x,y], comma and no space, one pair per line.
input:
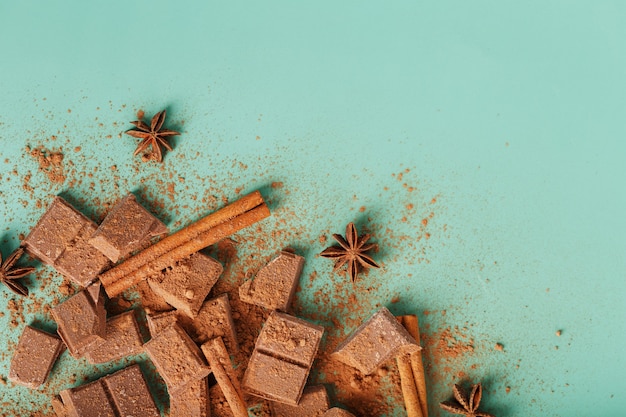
[313,403]
[282,358]
[337,412]
[192,400]
[34,357]
[123,338]
[80,261]
[213,320]
[186,284]
[177,358]
[158,322]
[81,322]
[125,229]
[130,394]
[275,284]
[58,407]
[375,341]
[90,400]
[55,231]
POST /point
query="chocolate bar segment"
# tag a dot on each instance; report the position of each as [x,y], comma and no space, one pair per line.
[275,284]
[58,407]
[158,322]
[177,358]
[90,400]
[122,338]
[125,229]
[213,320]
[192,400]
[313,403]
[81,322]
[375,341]
[55,231]
[130,393]
[34,357]
[185,285]
[338,412]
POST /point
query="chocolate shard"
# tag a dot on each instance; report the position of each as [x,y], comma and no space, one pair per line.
[36,353]
[192,400]
[58,407]
[337,412]
[313,403]
[130,394]
[177,358]
[125,229]
[81,322]
[275,284]
[185,285]
[160,321]
[375,341]
[90,400]
[282,358]
[55,231]
[213,320]
[123,338]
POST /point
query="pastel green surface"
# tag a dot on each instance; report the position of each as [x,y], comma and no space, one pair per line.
[510,115]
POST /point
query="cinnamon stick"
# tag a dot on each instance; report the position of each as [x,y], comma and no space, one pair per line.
[409,387]
[205,232]
[216,354]
[411,324]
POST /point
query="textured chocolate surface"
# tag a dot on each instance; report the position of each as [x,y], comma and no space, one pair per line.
[186,284]
[314,402]
[375,341]
[192,400]
[90,400]
[338,412]
[129,392]
[81,322]
[158,322]
[213,320]
[177,358]
[34,357]
[122,338]
[126,229]
[275,284]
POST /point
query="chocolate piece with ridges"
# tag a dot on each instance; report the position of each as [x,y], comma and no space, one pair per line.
[177,358]
[130,394]
[192,400]
[34,357]
[125,229]
[213,320]
[90,400]
[186,284]
[123,338]
[275,284]
[80,261]
[158,322]
[375,341]
[338,412]
[55,230]
[313,403]
[81,322]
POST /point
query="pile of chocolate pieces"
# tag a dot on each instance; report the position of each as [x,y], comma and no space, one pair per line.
[187,344]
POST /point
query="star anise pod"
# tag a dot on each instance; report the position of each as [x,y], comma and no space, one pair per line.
[351,250]
[466,406]
[10,275]
[152,135]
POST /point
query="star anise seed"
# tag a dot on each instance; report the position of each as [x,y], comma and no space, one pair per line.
[152,135]
[351,250]
[9,275]
[466,406]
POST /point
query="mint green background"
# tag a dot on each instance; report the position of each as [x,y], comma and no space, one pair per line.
[511,113]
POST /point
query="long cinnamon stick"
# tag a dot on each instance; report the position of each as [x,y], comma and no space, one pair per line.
[411,324]
[216,354]
[205,232]
[409,386]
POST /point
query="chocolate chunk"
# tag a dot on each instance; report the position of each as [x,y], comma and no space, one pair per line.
[378,339]
[313,403]
[213,320]
[338,412]
[282,358]
[55,231]
[275,284]
[158,322]
[81,322]
[192,400]
[58,407]
[90,400]
[34,357]
[80,261]
[123,338]
[130,394]
[185,285]
[125,229]
[177,358]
